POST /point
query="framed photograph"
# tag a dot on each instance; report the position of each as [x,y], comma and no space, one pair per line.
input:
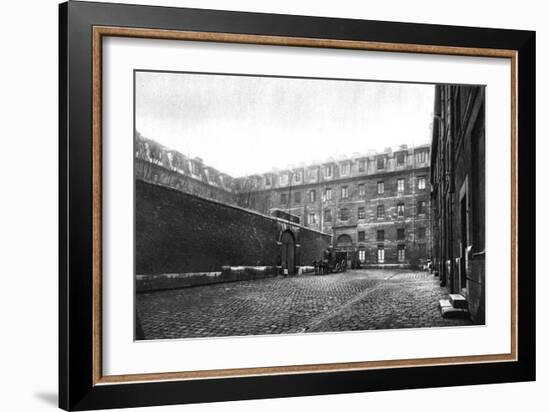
[257,205]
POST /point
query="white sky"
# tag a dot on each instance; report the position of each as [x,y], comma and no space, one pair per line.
[243,125]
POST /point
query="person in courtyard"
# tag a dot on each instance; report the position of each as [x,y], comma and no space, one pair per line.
[315,267]
[326,260]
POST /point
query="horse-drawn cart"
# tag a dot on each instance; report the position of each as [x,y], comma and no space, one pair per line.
[332,262]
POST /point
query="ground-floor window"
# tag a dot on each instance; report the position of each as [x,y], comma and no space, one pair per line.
[401,253]
[362,255]
[380,254]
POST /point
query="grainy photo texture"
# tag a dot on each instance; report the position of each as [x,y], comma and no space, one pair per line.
[280,205]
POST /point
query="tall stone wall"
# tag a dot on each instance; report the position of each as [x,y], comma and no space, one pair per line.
[178,233]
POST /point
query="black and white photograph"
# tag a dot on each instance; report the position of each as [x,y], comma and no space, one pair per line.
[284,205]
[218,206]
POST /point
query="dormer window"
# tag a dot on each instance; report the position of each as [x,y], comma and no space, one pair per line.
[380,163]
[328,171]
[400,157]
[422,156]
[211,176]
[344,169]
[194,168]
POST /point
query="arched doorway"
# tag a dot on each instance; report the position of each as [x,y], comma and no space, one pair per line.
[344,242]
[288,252]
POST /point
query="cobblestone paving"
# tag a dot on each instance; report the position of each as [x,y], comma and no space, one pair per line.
[355,300]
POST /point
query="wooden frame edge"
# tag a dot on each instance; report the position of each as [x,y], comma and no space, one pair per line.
[98,32]
[514,218]
[299,369]
[97,235]
[165,34]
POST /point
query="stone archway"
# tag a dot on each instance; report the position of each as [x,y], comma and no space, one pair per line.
[288,252]
[344,242]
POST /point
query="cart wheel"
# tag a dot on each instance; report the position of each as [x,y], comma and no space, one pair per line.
[337,268]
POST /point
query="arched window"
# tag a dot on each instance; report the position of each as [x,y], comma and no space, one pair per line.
[344,240]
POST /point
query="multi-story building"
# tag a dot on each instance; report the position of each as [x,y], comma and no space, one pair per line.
[376,206]
[155,163]
[458,193]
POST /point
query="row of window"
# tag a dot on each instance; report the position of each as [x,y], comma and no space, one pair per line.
[345,213]
[344,191]
[380,252]
[400,235]
[345,169]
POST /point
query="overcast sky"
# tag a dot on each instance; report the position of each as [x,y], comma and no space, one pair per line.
[243,125]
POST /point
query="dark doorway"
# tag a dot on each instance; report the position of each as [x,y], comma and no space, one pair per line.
[288,252]
[344,243]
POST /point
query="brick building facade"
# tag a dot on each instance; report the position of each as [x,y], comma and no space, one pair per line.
[458,193]
[375,206]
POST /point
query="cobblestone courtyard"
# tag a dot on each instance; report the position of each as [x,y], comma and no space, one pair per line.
[355,300]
